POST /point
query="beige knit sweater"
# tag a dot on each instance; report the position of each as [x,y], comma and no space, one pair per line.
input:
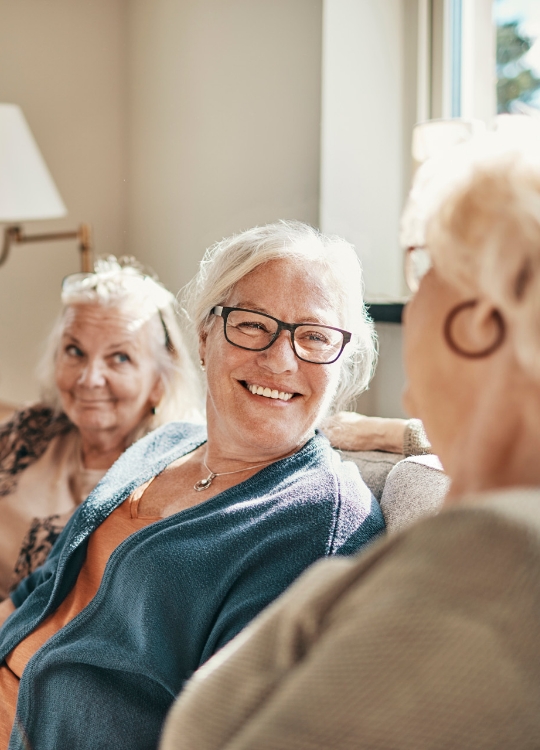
[429,640]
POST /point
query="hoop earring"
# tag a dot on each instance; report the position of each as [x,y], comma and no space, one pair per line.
[497,317]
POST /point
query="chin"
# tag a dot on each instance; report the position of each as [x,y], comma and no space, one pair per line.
[92,420]
[95,424]
[278,437]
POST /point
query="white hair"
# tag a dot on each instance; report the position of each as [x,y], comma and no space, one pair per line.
[123,282]
[228,261]
[477,209]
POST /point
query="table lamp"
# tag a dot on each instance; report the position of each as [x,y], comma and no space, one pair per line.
[27,190]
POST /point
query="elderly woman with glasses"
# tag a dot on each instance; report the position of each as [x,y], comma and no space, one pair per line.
[193,532]
[430,639]
[115,367]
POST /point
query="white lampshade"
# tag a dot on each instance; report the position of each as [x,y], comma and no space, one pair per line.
[27,190]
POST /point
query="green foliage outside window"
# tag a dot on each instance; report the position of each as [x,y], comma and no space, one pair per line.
[515,81]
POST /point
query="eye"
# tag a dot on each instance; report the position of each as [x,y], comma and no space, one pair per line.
[251,325]
[73,351]
[314,336]
[317,336]
[120,357]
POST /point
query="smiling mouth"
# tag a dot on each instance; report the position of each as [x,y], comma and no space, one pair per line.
[260,390]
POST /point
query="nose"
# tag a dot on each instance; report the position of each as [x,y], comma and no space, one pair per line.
[92,375]
[280,357]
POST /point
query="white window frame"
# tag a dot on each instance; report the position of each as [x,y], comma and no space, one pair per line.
[456,59]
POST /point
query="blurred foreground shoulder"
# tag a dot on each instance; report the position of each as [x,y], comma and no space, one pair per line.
[427,641]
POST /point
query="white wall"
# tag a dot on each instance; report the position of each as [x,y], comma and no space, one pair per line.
[63,62]
[368,112]
[362,152]
[224,123]
[383,399]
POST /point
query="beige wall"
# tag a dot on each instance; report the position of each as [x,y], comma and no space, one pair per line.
[64,63]
[167,124]
[224,123]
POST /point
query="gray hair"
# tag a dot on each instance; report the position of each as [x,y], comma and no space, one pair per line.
[124,282]
[477,208]
[227,262]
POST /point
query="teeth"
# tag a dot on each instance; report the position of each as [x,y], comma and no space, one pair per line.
[258,390]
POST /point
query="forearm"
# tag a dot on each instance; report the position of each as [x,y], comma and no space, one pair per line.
[349,431]
[388,434]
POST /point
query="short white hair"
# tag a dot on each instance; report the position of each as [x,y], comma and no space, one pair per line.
[477,209]
[123,282]
[228,261]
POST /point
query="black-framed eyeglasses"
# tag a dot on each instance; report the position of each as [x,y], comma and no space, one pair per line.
[417,264]
[256,331]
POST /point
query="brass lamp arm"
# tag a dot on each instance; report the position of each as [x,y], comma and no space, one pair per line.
[15,234]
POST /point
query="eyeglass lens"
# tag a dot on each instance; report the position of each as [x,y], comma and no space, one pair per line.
[252,330]
[417,264]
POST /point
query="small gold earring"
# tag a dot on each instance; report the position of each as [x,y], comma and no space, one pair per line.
[203,368]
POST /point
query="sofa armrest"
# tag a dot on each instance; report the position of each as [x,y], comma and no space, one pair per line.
[414,488]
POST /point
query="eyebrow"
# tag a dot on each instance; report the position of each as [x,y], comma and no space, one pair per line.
[257,308]
[120,345]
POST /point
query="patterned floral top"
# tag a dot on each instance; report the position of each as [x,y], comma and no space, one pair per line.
[42,481]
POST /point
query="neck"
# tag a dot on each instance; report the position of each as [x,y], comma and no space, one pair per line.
[220,456]
[502,446]
[218,461]
[100,450]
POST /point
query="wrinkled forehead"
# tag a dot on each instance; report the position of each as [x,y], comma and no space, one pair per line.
[295,288]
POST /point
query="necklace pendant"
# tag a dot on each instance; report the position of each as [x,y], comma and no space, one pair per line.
[203,484]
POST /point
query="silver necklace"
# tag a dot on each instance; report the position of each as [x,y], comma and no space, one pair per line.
[204,484]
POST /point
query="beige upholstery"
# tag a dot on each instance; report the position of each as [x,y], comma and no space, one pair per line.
[414,488]
[407,488]
[374,467]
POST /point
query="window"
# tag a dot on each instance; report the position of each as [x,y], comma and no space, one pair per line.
[518,55]
[456,52]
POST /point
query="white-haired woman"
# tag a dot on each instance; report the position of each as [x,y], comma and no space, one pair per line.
[190,534]
[115,367]
[430,640]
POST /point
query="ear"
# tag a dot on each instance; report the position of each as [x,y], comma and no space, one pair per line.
[157,392]
[202,344]
[474,329]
